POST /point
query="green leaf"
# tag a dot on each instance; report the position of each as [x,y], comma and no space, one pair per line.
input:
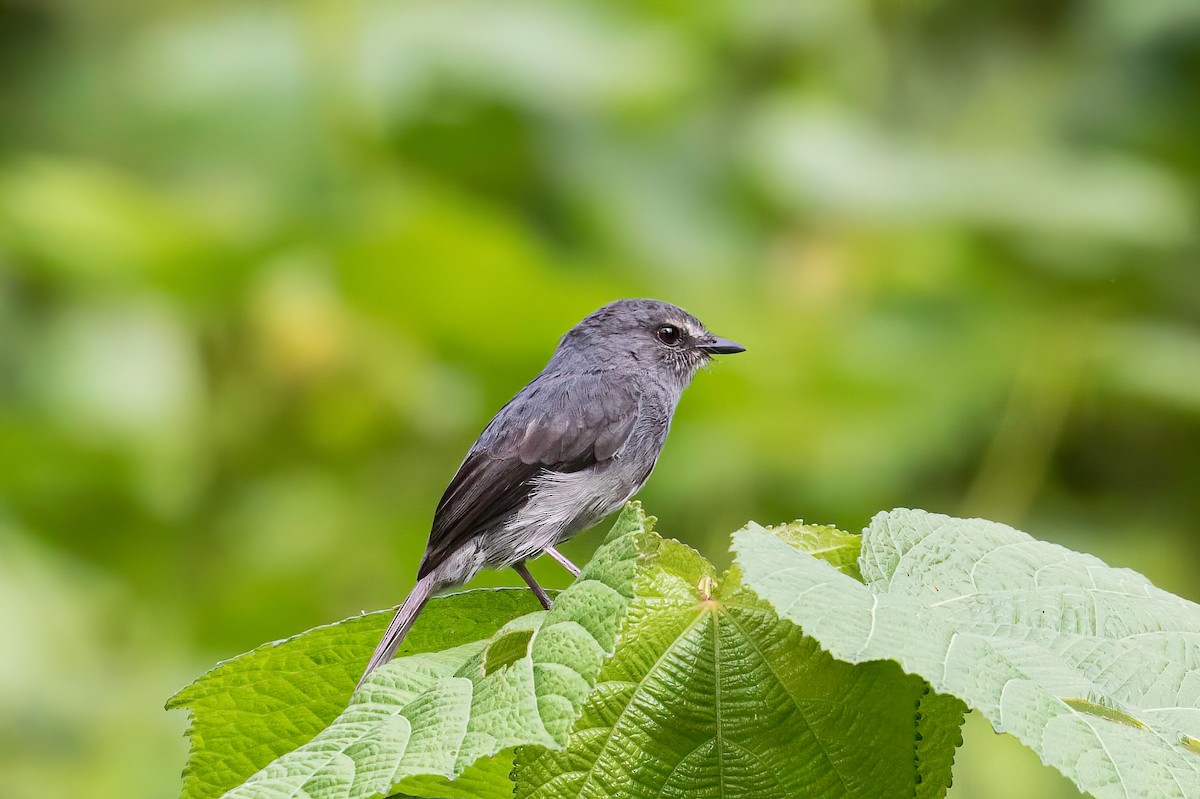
[506,650]
[939,734]
[1012,626]
[486,778]
[710,694]
[1104,712]
[836,547]
[421,719]
[253,708]
[687,687]
[940,716]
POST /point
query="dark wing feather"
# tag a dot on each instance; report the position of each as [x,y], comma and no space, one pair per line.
[557,423]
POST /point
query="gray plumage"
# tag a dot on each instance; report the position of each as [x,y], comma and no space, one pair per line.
[570,448]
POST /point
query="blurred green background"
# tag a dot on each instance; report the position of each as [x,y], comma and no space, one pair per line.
[267,268]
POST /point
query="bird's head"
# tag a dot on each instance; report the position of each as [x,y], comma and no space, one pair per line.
[642,335]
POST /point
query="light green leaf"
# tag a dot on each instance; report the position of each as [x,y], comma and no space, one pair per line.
[836,547]
[486,778]
[707,693]
[710,694]
[1013,626]
[422,719]
[506,650]
[253,708]
[1104,712]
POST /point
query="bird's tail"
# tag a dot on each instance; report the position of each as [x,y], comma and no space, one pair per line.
[401,623]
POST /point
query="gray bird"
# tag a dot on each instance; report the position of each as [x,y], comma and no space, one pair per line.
[569,449]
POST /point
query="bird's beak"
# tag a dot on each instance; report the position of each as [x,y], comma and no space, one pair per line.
[719,346]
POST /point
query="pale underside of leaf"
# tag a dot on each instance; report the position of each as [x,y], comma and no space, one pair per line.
[1012,626]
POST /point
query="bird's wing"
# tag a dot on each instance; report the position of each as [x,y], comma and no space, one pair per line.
[555,424]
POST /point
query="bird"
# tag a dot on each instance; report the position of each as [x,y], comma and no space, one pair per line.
[571,447]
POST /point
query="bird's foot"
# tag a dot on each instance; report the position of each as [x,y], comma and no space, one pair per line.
[562,559]
[537,590]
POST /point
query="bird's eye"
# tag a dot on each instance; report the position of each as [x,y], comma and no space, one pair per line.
[669,334]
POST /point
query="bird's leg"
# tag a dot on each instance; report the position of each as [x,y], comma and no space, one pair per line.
[562,559]
[537,590]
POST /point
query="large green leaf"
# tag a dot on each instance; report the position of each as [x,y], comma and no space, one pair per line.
[1092,667]
[687,687]
[421,719]
[709,693]
[253,708]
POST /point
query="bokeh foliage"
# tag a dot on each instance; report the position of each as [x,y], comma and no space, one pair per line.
[267,268]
